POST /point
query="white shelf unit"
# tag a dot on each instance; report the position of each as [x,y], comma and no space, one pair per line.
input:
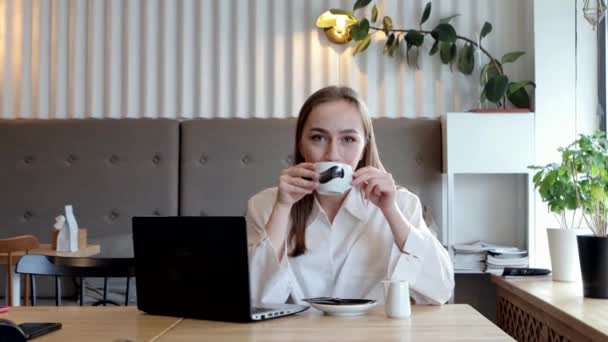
[485,161]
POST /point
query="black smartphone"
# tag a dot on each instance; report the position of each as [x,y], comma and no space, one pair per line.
[33,330]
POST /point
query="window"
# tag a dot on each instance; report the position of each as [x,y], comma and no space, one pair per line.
[601,72]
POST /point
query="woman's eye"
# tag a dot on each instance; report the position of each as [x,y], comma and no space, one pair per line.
[349,139]
[317,137]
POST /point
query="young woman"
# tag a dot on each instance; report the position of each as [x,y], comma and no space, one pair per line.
[303,244]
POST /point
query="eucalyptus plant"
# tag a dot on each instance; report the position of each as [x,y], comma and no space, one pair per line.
[497,87]
[581,181]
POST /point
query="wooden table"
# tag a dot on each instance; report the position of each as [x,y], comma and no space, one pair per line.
[427,323]
[94,323]
[44,249]
[540,309]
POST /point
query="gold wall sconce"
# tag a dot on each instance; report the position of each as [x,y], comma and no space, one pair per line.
[336,26]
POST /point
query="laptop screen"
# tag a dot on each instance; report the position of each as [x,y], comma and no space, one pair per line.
[194,267]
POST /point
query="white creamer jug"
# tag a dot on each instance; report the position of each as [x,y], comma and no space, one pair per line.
[397,298]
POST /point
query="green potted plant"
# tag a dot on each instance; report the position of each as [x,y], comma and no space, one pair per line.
[581,181]
[558,189]
[459,52]
[589,161]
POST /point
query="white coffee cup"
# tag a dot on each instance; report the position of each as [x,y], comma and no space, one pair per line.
[334,178]
[397,298]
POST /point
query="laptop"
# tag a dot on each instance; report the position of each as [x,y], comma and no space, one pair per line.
[197,267]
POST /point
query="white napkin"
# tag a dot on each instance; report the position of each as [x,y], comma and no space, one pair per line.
[67,240]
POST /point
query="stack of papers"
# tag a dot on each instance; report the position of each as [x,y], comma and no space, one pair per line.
[480,256]
[470,262]
[497,261]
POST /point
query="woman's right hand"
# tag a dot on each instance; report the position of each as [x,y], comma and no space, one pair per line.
[296,182]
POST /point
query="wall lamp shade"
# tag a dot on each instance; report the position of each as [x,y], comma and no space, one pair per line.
[336,26]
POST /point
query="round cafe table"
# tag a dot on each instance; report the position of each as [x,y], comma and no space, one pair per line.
[44,249]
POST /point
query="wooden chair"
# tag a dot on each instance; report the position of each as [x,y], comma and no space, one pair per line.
[44,265]
[10,246]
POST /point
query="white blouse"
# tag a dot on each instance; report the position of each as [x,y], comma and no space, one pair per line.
[349,258]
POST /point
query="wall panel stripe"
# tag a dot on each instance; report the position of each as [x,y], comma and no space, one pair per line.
[234,58]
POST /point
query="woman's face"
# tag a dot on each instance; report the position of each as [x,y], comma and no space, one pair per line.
[333,132]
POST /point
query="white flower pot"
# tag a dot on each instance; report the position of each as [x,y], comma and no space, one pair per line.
[563,248]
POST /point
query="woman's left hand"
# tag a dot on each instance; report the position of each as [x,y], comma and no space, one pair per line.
[378,186]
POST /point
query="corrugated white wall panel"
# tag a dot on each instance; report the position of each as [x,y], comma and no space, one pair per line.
[133,60]
[233,58]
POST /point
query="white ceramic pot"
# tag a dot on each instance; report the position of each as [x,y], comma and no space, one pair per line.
[563,249]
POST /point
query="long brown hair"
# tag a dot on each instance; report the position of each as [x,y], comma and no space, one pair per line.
[302,209]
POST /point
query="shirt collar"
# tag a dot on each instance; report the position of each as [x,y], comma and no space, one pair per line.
[315,212]
[354,204]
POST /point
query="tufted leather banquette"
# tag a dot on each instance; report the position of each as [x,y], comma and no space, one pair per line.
[111,170]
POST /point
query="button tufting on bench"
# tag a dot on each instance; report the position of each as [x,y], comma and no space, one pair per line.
[203,159]
[156,212]
[419,159]
[246,159]
[113,159]
[156,159]
[28,159]
[71,158]
[27,215]
[113,215]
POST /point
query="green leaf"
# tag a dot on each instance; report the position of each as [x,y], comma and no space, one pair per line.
[361,4]
[551,177]
[389,42]
[496,88]
[341,11]
[447,52]
[483,74]
[394,47]
[453,54]
[517,94]
[519,98]
[387,24]
[447,20]
[444,52]
[488,71]
[511,57]
[486,29]
[374,13]
[571,203]
[515,86]
[426,13]
[537,177]
[466,59]
[359,30]
[597,192]
[444,33]
[594,171]
[363,44]
[435,48]
[414,38]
